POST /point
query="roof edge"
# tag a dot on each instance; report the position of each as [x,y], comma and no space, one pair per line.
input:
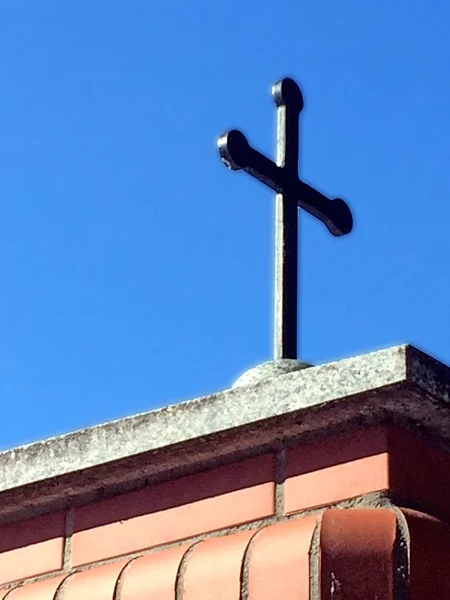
[233,421]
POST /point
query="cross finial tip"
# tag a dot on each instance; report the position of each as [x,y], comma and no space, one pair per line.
[342,222]
[287,93]
[233,149]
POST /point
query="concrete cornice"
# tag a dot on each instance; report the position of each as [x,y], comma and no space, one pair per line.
[401,384]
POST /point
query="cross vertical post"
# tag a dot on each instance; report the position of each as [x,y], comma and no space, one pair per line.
[286,223]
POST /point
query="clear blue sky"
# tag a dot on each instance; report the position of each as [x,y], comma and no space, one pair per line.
[136,270]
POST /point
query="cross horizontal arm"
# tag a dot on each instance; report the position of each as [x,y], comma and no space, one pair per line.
[237,153]
[335,214]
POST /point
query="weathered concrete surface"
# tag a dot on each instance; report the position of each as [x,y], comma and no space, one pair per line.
[267,370]
[401,384]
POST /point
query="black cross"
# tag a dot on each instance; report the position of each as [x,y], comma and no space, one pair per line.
[283,177]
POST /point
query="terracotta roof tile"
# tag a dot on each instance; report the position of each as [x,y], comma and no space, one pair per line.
[278,561]
[429,556]
[271,562]
[98,583]
[215,565]
[152,577]
[42,590]
[357,554]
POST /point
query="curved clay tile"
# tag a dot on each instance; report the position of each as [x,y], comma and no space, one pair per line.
[151,577]
[41,590]
[278,561]
[213,568]
[355,543]
[98,583]
[429,542]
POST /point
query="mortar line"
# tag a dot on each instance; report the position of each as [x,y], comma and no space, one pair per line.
[280,478]
[67,550]
[179,581]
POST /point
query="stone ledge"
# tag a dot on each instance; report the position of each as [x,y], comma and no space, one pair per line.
[399,383]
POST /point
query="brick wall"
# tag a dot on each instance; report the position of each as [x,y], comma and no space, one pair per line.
[173,531]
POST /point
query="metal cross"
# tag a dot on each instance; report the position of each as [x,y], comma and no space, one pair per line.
[292,193]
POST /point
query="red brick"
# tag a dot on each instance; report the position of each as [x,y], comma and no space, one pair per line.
[175,510]
[32,547]
[337,449]
[370,460]
[419,471]
[337,468]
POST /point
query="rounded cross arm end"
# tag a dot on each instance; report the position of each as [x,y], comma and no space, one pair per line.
[233,149]
[342,220]
[287,93]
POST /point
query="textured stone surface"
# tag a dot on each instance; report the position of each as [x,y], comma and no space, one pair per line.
[267,370]
[399,383]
